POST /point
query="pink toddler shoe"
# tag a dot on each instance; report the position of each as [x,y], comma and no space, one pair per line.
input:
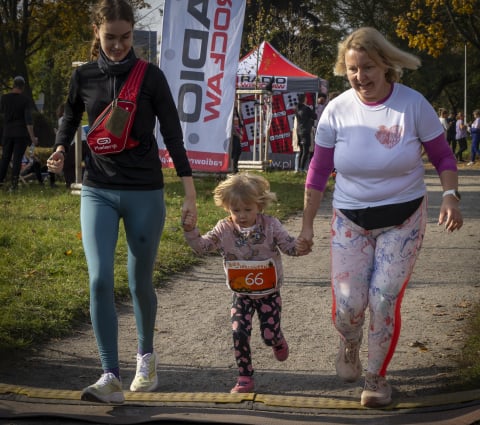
[280,351]
[245,384]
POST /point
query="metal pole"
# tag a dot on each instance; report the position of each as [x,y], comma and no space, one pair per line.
[77,186]
[255,114]
[465,87]
[267,105]
[78,156]
[262,130]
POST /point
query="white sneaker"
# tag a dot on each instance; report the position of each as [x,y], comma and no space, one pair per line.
[146,378]
[470,163]
[377,392]
[108,389]
[348,365]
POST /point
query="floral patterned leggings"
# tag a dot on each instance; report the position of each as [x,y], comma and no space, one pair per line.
[371,268]
[269,309]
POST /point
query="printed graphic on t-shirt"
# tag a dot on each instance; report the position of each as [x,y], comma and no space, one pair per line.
[389,137]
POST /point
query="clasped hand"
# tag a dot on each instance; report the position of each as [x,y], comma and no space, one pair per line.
[189,222]
[55,162]
[189,216]
[303,246]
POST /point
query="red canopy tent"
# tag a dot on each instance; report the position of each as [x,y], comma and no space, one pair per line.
[265,65]
[265,70]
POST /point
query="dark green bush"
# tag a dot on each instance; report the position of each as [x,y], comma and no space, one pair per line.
[43,130]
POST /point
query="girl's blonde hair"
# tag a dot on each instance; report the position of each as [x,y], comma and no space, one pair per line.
[109,11]
[243,188]
[379,49]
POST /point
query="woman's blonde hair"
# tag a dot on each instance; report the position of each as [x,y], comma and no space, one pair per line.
[109,11]
[243,188]
[379,49]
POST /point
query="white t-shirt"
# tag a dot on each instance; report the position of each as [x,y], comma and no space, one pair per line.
[444,123]
[379,161]
[476,123]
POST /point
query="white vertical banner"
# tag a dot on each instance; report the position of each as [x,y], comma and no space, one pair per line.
[199,55]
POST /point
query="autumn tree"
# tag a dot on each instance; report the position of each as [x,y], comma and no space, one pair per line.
[40,40]
[444,29]
[307,32]
[436,25]
[32,33]
[302,31]
[29,27]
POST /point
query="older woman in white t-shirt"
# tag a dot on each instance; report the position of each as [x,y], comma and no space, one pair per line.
[373,135]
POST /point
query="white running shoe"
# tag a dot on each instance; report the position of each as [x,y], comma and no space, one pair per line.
[108,389]
[146,378]
[348,365]
[377,391]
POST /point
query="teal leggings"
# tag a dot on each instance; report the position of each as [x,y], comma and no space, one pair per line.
[143,214]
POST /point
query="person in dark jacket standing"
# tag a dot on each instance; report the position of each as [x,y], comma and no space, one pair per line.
[127,185]
[236,141]
[451,131]
[305,120]
[17,129]
[461,129]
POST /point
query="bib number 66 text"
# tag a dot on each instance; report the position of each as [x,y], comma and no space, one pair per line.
[254,279]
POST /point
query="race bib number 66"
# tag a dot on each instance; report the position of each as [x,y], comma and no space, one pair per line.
[251,277]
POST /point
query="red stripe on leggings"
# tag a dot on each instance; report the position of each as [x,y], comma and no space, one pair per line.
[397,325]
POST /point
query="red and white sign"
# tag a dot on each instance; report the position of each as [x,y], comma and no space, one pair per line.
[281,126]
[199,56]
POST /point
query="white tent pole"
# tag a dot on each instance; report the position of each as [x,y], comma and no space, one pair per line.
[269,123]
[255,130]
[465,85]
[261,139]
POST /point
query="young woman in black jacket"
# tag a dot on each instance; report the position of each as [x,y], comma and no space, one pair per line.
[126,185]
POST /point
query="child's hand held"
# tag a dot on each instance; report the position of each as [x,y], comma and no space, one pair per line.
[303,247]
[189,222]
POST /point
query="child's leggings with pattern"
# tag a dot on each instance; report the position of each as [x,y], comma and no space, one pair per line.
[372,268]
[269,309]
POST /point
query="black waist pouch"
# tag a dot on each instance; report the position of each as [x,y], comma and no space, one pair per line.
[383,216]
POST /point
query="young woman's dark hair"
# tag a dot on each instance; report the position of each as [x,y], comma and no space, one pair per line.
[107,11]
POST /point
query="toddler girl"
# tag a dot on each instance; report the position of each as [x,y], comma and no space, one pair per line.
[250,243]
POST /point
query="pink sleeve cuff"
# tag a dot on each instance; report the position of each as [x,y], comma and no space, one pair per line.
[440,154]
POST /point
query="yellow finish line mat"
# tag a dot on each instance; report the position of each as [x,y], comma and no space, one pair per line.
[462,408]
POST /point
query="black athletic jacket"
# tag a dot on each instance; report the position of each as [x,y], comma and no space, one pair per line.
[91,90]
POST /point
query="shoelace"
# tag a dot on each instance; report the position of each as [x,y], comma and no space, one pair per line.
[142,366]
[372,382]
[104,379]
